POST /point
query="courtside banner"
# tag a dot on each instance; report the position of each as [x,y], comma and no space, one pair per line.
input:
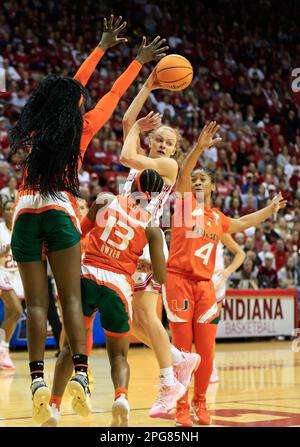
[258,313]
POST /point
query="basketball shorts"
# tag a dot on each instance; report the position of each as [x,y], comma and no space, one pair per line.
[189,300]
[35,234]
[144,282]
[220,291]
[11,280]
[111,294]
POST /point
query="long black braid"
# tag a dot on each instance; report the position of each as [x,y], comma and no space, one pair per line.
[49,130]
[150,181]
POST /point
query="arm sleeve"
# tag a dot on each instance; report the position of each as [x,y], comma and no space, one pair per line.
[97,117]
[88,66]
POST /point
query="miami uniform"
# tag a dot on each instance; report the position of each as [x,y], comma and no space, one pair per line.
[190,291]
[114,247]
[144,281]
[9,274]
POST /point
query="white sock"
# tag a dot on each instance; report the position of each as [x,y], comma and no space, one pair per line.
[214,364]
[4,344]
[167,376]
[177,356]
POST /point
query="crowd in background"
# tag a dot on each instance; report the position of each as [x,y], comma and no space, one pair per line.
[243,54]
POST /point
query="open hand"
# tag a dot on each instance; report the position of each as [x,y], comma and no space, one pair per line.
[206,138]
[149,122]
[278,203]
[152,52]
[110,33]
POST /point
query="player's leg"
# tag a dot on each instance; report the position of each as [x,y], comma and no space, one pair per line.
[34,279]
[117,349]
[12,313]
[205,325]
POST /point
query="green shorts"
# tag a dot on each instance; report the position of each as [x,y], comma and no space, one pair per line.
[36,233]
[114,317]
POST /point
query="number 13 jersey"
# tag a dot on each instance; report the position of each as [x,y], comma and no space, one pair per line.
[196,232]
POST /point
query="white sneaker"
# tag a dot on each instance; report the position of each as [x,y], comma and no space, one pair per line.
[78,387]
[120,412]
[5,360]
[41,410]
[54,418]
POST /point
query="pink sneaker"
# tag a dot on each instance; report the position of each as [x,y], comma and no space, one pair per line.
[166,400]
[214,378]
[5,360]
[184,370]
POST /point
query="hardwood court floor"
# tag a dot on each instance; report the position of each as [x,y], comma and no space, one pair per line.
[259,386]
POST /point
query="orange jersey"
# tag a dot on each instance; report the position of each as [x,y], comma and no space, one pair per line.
[194,243]
[118,238]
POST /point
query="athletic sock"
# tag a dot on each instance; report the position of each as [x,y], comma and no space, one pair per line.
[177,356]
[167,376]
[36,369]
[55,400]
[4,344]
[119,391]
[80,363]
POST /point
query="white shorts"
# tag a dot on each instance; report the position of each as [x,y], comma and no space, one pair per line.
[220,291]
[144,281]
[11,280]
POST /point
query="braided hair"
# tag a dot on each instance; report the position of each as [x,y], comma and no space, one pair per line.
[49,130]
[149,181]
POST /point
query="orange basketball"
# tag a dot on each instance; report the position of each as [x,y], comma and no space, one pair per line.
[174,72]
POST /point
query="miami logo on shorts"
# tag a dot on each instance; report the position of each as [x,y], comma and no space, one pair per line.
[176,308]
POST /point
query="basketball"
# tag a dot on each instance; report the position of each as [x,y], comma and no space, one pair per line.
[174,72]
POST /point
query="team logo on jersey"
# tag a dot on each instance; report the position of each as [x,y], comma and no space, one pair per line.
[198,212]
[176,308]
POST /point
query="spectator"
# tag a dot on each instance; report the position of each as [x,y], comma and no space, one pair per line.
[10,191]
[287,275]
[246,278]
[267,276]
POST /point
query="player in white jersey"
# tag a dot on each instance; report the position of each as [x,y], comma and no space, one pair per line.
[11,288]
[221,274]
[147,326]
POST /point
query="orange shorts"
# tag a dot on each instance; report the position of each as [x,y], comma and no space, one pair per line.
[187,300]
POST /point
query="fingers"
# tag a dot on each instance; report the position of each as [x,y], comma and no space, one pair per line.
[118,30]
[117,23]
[105,24]
[110,21]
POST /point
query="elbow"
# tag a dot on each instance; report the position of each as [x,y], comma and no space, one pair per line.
[125,161]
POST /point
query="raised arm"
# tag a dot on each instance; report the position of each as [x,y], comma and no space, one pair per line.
[254,219]
[137,104]
[166,167]
[205,140]
[109,39]
[157,256]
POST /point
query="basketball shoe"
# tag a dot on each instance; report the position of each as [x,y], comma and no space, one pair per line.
[120,412]
[54,418]
[184,370]
[201,414]
[78,387]
[41,410]
[166,400]
[182,416]
[5,360]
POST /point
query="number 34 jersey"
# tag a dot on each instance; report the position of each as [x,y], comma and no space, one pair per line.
[196,232]
[118,238]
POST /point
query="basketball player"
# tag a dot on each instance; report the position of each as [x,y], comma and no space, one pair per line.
[10,286]
[147,326]
[54,131]
[221,275]
[190,296]
[116,241]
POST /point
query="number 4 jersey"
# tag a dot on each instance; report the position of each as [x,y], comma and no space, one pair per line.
[196,232]
[117,240]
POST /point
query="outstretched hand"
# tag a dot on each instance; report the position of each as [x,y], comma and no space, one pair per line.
[149,122]
[278,203]
[152,52]
[152,82]
[110,33]
[206,138]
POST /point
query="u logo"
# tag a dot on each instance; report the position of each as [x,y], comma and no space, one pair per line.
[176,308]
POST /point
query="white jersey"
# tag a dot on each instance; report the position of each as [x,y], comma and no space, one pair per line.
[219,267]
[156,205]
[6,262]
